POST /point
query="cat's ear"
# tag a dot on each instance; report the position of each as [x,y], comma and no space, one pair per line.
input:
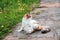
[25,15]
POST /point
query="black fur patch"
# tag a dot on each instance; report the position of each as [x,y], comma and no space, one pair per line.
[45,31]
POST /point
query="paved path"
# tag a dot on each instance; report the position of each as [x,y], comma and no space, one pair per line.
[50,0]
[46,16]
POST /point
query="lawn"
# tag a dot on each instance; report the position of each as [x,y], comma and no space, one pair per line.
[11,13]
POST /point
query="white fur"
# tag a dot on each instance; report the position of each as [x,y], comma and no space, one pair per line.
[28,25]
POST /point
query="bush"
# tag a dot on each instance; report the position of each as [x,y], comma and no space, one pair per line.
[11,12]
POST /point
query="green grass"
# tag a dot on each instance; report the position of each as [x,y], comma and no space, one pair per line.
[11,13]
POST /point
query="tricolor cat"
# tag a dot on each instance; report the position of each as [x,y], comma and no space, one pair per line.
[29,25]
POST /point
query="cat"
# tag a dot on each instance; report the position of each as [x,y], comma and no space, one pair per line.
[29,25]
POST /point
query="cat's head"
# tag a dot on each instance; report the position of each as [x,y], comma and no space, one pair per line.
[27,16]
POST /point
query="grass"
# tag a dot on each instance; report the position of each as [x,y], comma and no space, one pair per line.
[11,12]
